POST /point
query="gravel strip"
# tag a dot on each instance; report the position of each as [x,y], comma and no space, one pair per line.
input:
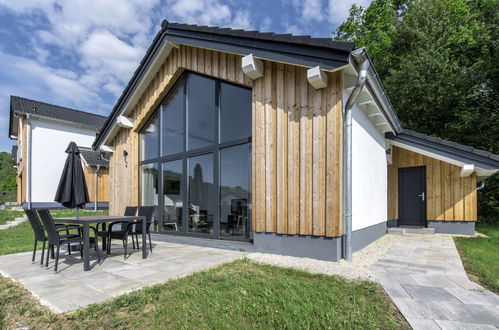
[359,268]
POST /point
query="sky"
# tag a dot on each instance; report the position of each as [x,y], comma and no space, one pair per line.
[81,54]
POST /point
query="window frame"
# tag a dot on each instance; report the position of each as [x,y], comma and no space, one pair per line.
[186,154]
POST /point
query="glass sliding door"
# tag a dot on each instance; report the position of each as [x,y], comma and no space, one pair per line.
[202,202]
[172,196]
[235,191]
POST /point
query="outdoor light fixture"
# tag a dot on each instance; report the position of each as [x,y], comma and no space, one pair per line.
[125,153]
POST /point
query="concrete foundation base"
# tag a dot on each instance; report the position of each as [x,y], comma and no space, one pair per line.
[453,227]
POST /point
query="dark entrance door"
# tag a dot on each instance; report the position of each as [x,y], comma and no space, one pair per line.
[412,196]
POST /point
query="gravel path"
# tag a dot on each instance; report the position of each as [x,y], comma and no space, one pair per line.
[359,268]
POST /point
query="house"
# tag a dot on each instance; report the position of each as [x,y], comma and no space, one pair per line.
[43,132]
[213,114]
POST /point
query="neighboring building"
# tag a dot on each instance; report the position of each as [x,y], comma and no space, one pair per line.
[43,132]
[240,135]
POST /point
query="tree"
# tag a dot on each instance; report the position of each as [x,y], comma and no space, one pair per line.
[438,62]
[7,173]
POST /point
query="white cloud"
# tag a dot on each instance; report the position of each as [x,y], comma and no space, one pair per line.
[265,24]
[201,12]
[241,20]
[310,10]
[338,10]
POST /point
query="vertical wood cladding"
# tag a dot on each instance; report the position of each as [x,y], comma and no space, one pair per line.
[296,142]
[449,197]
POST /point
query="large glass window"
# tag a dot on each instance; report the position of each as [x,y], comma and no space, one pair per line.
[200,111]
[195,159]
[172,195]
[235,190]
[172,123]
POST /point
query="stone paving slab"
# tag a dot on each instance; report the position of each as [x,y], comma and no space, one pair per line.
[72,288]
[426,280]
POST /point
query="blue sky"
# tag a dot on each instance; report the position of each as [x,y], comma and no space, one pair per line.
[81,54]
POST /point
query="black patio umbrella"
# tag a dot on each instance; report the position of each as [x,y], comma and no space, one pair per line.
[72,190]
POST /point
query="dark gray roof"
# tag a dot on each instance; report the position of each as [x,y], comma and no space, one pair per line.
[46,110]
[288,48]
[93,157]
[302,40]
[453,150]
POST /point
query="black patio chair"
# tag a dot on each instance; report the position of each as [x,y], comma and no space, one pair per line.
[39,232]
[55,239]
[148,212]
[121,230]
[104,234]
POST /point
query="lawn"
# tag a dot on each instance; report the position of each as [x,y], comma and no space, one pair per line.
[20,238]
[241,294]
[480,256]
[7,215]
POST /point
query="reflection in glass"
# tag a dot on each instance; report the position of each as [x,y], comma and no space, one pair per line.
[201,194]
[172,195]
[172,123]
[149,184]
[200,111]
[235,112]
[235,191]
[149,139]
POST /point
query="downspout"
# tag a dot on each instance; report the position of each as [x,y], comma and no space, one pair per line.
[28,161]
[481,186]
[95,187]
[358,54]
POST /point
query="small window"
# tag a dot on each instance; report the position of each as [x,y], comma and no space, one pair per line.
[149,139]
[235,112]
[172,121]
[200,111]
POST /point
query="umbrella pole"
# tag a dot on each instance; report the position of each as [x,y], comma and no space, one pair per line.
[77,213]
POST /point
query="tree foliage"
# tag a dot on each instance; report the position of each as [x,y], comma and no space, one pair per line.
[438,62]
[7,173]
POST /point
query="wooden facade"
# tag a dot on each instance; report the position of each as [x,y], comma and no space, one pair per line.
[450,197]
[296,142]
[102,183]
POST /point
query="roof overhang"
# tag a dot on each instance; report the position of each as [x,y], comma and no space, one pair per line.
[372,100]
[328,59]
[483,166]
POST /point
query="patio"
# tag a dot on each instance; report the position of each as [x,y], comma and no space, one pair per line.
[72,288]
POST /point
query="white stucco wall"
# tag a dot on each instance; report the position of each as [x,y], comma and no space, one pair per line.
[49,141]
[369,182]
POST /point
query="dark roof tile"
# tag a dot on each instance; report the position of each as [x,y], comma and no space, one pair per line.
[93,157]
[37,108]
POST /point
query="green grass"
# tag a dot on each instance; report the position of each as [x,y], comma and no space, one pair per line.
[241,294]
[20,238]
[7,215]
[480,256]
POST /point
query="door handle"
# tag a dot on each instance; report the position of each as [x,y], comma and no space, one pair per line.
[422,196]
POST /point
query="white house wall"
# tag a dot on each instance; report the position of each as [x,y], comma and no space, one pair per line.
[369,179]
[49,142]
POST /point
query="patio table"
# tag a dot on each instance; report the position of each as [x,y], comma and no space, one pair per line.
[86,221]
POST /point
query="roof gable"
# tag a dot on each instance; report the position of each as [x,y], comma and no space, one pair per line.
[298,50]
[19,105]
[485,160]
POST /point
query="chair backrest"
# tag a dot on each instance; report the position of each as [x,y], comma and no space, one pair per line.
[130,211]
[49,226]
[148,212]
[34,220]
